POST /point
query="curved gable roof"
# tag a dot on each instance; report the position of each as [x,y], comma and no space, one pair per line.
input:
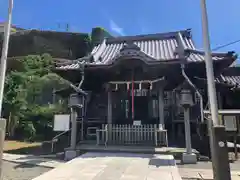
[151,48]
[161,46]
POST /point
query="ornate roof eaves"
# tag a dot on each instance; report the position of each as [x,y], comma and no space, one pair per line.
[135,54]
[157,36]
[218,54]
[130,46]
[96,55]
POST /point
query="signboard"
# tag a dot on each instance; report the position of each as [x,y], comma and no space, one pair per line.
[228,118]
[61,122]
[230,123]
[137,123]
[139,92]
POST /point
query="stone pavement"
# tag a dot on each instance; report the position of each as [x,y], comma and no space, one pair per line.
[138,166]
[116,166]
[32,160]
[205,174]
[204,170]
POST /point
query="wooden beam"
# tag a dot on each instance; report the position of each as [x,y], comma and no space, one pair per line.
[142,81]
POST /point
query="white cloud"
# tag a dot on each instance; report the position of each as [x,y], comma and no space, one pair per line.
[115,28]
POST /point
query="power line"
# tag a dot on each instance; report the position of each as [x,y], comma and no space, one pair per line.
[225,45]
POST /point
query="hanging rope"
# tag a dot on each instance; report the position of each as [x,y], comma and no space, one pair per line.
[132,95]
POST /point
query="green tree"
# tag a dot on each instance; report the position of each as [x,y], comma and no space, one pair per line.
[14,100]
[28,98]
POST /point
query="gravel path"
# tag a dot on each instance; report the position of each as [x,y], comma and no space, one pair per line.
[13,171]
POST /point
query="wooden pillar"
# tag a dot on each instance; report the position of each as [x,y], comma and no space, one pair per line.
[161,106]
[220,105]
[109,109]
[73,117]
[83,118]
[109,114]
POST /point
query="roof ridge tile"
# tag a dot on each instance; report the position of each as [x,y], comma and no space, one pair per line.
[145,37]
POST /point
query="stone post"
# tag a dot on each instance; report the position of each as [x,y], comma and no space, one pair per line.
[71,152]
[187,130]
[2,138]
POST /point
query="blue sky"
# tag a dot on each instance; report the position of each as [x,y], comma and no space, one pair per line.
[131,17]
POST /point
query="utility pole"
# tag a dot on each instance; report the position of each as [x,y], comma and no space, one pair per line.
[3,65]
[217,134]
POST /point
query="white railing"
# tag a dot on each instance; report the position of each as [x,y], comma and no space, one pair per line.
[132,135]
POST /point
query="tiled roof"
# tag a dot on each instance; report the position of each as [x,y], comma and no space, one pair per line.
[152,48]
[229,80]
[229,77]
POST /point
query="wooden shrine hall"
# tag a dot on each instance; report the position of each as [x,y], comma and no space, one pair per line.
[133,86]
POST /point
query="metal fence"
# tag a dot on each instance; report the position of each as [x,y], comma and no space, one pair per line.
[148,134]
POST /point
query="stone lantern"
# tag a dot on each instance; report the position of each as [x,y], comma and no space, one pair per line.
[186,101]
[75,103]
[186,98]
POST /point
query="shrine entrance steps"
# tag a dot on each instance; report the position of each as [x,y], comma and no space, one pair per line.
[174,151]
[116,166]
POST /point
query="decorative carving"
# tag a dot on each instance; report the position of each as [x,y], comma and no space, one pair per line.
[130,46]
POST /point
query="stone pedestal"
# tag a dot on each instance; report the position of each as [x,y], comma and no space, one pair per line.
[70,154]
[189,158]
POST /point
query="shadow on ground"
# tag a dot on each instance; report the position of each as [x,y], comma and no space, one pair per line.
[33,150]
[26,165]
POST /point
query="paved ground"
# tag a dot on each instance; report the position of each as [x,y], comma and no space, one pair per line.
[190,173]
[116,166]
[13,171]
[208,165]
[204,170]
[134,166]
